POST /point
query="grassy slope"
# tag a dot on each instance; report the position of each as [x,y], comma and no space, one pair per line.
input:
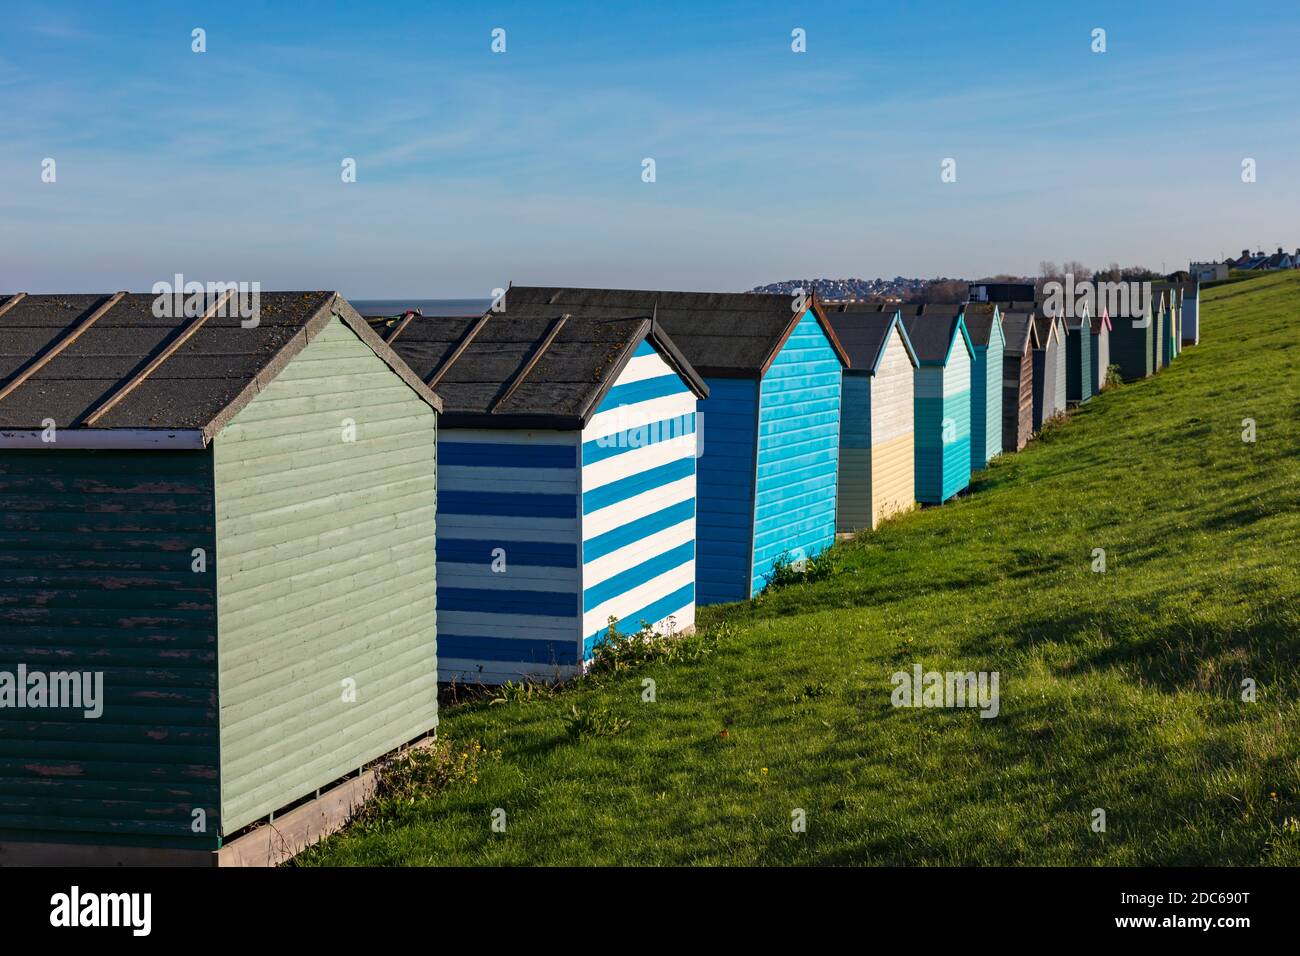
[1118,690]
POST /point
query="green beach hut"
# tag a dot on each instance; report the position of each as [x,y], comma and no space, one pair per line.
[218,545]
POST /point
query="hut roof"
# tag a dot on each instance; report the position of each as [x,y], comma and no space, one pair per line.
[865,331]
[727,334]
[933,336]
[980,318]
[109,373]
[1020,331]
[1046,326]
[1100,320]
[549,370]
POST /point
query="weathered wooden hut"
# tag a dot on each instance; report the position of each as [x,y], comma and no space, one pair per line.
[1049,369]
[1099,353]
[945,358]
[1078,359]
[1018,379]
[1132,332]
[768,473]
[217,540]
[568,486]
[877,418]
[983,321]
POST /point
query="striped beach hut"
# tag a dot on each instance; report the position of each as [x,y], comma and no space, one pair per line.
[877,418]
[1078,359]
[1099,353]
[1049,369]
[983,321]
[1132,333]
[945,358]
[1018,379]
[768,472]
[217,539]
[568,486]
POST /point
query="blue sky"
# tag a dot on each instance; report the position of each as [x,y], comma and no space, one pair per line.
[474,168]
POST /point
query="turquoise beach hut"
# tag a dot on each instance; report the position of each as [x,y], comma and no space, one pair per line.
[983,321]
[945,359]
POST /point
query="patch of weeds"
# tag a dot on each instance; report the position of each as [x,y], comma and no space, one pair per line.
[786,571]
[808,692]
[618,652]
[420,772]
[1114,377]
[596,721]
[512,692]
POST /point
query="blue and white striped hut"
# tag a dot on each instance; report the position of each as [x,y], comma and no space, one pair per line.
[768,471]
[567,486]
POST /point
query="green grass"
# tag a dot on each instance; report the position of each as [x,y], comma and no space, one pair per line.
[1119,690]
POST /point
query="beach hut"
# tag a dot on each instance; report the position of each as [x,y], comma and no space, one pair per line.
[217,543]
[1159,323]
[768,473]
[1132,332]
[945,358]
[1173,326]
[877,419]
[1049,369]
[1078,359]
[983,321]
[568,486]
[1018,379]
[1191,325]
[1099,351]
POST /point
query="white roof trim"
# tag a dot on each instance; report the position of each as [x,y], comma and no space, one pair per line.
[102,438]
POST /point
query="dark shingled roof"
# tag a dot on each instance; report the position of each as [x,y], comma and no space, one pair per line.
[979,318]
[1043,326]
[863,329]
[548,370]
[726,334]
[1020,331]
[932,334]
[125,371]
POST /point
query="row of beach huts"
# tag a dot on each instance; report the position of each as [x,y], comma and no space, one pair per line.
[237,558]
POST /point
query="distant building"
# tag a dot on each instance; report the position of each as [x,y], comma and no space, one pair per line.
[1209,271]
[1001,292]
[1263,262]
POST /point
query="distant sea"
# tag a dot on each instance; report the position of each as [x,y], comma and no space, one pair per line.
[426,306]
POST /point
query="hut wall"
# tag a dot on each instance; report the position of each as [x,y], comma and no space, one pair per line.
[97,574]
[515,490]
[1099,358]
[943,428]
[1079,363]
[1017,400]
[638,503]
[986,401]
[893,418]
[326,488]
[1130,347]
[1191,331]
[797,451]
[853,505]
[725,490]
